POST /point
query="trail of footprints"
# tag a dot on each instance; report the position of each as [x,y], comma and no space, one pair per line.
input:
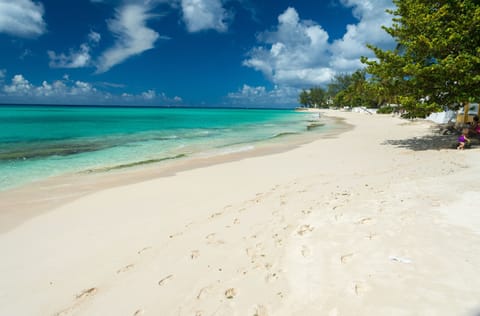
[256,254]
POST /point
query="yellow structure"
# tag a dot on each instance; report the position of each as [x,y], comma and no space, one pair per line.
[466,117]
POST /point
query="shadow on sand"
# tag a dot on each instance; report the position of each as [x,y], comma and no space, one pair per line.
[429,142]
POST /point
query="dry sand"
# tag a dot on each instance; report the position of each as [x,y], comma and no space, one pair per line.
[381,220]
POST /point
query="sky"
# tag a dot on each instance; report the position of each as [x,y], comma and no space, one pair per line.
[254,53]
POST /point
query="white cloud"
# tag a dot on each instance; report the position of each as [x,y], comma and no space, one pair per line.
[261,96]
[75,59]
[94,37]
[23,18]
[132,35]
[149,95]
[19,85]
[67,91]
[200,15]
[3,73]
[346,52]
[297,53]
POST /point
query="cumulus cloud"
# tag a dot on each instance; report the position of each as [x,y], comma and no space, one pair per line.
[68,91]
[298,53]
[19,85]
[75,58]
[23,18]
[261,96]
[294,53]
[371,14]
[132,35]
[200,15]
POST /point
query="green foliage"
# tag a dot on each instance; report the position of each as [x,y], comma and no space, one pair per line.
[344,90]
[315,97]
[436,62]
[387,109]
[353,90]
[304,98]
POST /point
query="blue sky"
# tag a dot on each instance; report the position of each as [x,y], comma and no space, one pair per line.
[181,52]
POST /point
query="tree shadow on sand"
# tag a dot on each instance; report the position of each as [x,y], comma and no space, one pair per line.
[429,142]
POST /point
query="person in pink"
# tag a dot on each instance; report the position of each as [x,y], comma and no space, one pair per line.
[475,127]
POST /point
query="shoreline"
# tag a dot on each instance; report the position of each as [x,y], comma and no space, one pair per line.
[378,220]
[32,199]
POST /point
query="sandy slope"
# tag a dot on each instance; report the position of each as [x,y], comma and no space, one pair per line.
[376,221]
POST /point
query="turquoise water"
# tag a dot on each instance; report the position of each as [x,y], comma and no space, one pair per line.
[37,142]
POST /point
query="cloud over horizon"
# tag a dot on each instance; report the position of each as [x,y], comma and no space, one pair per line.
[297,53]
[67,91]
[22,18]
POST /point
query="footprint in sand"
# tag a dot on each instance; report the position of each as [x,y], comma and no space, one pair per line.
[165,280]
[306,252]
[194,254]
[212,240]
[230,293]
[79,299]
[306,212]
[143,249]
[125,268]
[365,220]
[271,277]
[304,229]
[254,252]
[359,288]
[260,310]
[346,258]
[215,215]
[204,292]
[278,240]
[175,235]
[86,293]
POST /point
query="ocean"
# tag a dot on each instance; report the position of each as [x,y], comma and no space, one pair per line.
[38,142]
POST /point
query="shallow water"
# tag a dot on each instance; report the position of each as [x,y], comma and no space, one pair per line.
[38,142]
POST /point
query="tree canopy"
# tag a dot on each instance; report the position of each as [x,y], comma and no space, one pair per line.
[436,63]
[315,97]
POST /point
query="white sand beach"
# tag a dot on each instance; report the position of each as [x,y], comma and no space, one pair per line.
[378,220]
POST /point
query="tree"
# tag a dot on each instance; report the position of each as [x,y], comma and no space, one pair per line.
[352,90]
[436,63]
[340,82]
[319,97]
[304,98]
[315,97]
